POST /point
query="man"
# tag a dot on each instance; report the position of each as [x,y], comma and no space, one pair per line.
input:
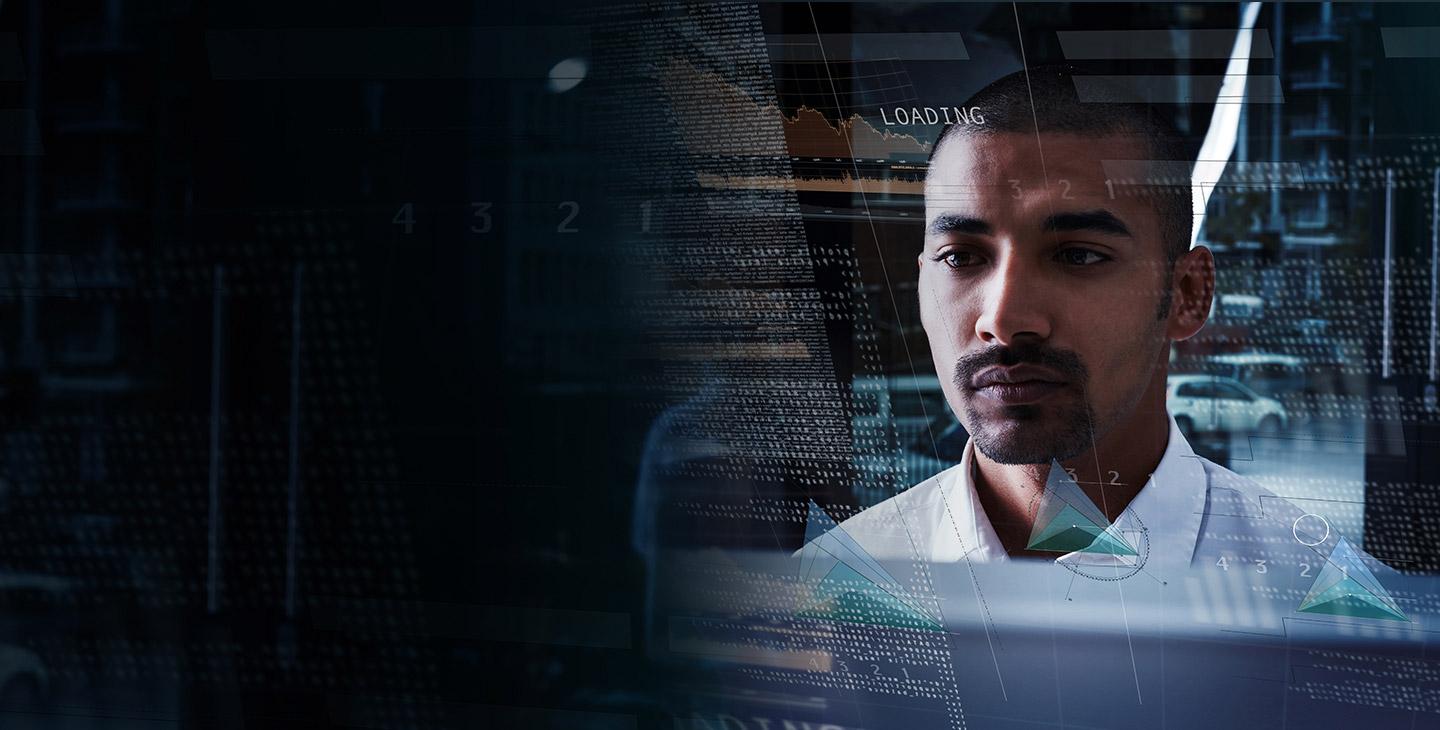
[1050,294]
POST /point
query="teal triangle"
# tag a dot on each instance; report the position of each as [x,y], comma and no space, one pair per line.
[1346,587]
[1351,566]
[1067,521]
[1355,607]
[1068,518]
[1083,540]
[835,542]
[1339,589]
[845,595]
[1109,544]
[1068,540]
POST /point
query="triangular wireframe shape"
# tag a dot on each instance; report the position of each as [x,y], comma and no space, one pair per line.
[1356,605]
[817,521]
[1348,560]
[837,548]
[1067,521]
[1346,587]
[1082,540]
[837,543]
[846,595]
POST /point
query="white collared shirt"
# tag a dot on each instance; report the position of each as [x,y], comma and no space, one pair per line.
[941,520]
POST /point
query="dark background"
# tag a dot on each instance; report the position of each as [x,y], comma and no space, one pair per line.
[411,520]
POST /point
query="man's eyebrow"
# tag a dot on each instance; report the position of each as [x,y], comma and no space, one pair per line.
[1099,221]
[951,223]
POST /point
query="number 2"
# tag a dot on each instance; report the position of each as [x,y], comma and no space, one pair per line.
[1066,194]
[565,226]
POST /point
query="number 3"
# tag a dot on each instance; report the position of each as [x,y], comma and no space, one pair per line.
[1015,184]
[481,211]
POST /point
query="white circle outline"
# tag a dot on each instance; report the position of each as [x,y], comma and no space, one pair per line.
[1296,526]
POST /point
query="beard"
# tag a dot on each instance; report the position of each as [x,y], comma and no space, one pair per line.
[1060,428]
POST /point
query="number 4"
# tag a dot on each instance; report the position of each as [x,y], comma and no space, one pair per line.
[405,217]
[1223,563]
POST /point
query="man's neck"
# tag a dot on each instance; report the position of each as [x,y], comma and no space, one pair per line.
[1111,474]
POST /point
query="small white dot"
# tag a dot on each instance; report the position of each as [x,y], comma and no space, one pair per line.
[567,74]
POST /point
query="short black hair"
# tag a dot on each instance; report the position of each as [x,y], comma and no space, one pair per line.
[1007,108]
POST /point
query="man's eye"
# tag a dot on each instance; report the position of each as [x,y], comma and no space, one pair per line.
[1080,257]
[959,259]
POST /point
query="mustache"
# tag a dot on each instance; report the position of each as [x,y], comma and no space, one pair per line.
[1026,352]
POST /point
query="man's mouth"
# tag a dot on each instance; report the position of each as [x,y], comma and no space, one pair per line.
[1017,385]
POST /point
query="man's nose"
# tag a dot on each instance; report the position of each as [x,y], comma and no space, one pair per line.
[1014,304]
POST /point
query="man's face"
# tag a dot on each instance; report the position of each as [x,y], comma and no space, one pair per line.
[1040,291]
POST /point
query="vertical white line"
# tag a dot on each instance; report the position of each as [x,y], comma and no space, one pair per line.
[1034,118]
[217,321]
[1434,269]
[1387,322]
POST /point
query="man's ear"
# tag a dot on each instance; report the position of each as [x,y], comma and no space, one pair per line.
[1192,286]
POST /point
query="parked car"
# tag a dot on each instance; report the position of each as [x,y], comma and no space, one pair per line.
[1270,374]
[1208,403]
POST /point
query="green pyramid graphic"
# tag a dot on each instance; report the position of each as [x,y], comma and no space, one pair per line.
[846,595]
[1345,587]
[1068,522]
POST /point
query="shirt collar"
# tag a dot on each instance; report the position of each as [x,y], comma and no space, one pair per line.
[1172,504]
[1168,509]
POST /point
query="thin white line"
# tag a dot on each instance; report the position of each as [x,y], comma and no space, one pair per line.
[1434,267]
[1389,245]
[1033,117]
[1119,584]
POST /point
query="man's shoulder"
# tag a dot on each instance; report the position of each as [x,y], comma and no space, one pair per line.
[902,526]
[924,495]
[1236,494]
